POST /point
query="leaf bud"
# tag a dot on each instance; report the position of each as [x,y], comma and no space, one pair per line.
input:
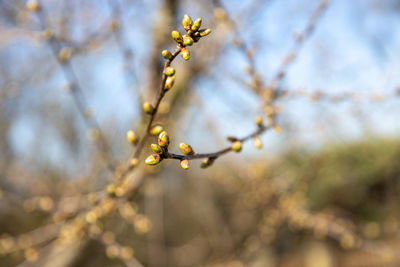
[177,36]
[185,54]
[185,164]
[156,130]
[186,149]
[259,121]
[153,159]
[133,162]
[206,163]
[132,137]
[166,54]
[169,82]
[196,25]
[205,32]
[32,5]
[237,146]
[65,54]
[163,139]
[169,71]
[148,108]
[187,21]
[156,148]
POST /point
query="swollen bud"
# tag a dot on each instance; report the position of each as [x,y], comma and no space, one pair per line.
[185,54]
[163,139]
[187,40]
[156,130]
[205,32]
[169,82]
[196,25]
[166,54]
[257,142]
[132,137]
[153,159]
[148,108]
[177,36]
[186,149]
[156,148]
[133,162]
[237,146]
[187,21]
[259,121]
[206,163]
[32,5]
[185,164]
[169,71]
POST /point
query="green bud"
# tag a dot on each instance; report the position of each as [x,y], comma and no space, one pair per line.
[186,149]
[153,159]
[169,82]
[148,108]
[205,32]
[156,148]
[237,146]
[187,40]
[259,121]
[257,142]
[166,54]
[207,162]
[163,139]
[185,54]
[187,21]
[132,137]
[196,25]
[156,130]
[185,164]
[196,38]
[169,71]
[177,36]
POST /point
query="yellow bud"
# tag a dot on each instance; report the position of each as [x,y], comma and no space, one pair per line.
[277,129]
[148,108]
[65,54]
[187,40]
[132,137]
[259,121]
[186,149]
[153,159]
[237,146]
[206,163]
[169,82]
[185,164]
[177,36]
[205,32]
[166,54]
[156,148]
[257,142]
[32,5]
[196,25]
[185,54]
[163,139]
[47,34]
[156,130]
[169,71]
[186,21]
[134,162]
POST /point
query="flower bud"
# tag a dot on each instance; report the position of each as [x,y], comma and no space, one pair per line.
[166,54]
[32,5]
[169,71]
[205,32]
[156,148]
[232,139]
[65,54]
[185,164]
[47,34]
[185,54]
[163,139]
[196,38]
[186,149]
[132,137]
[187,21]
[187,40]
[277,129]
[237,146]
[259,121]
[156,130]
[148,108]
[169,82]
[177,36]
[257,142]
[153,159]
[196,25]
